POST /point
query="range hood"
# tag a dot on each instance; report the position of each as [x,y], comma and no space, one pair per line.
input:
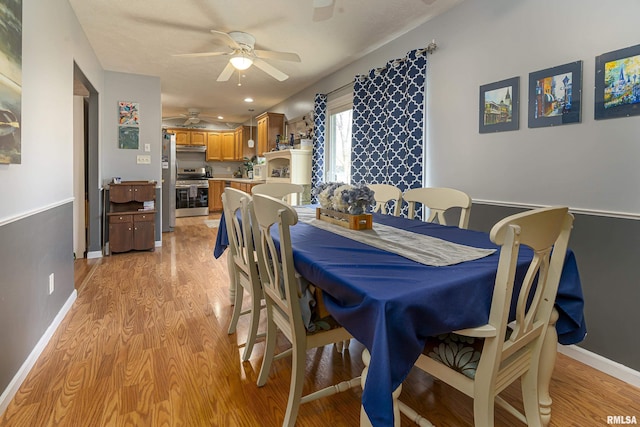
[191,148]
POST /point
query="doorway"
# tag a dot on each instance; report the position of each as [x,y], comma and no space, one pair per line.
[87,207]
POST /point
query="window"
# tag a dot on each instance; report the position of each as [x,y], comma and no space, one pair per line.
[338,147]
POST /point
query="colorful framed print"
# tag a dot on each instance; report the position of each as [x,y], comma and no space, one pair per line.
[554,95]
[617,91]
[499,106]
[129,113]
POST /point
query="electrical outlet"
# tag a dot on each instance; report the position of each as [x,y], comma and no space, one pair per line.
[144,160]
[51,283]
[228,169]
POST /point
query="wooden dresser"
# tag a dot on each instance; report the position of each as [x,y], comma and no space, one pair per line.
[132,216]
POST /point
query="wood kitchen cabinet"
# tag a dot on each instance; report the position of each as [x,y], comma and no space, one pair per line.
[198,137]
[189,137]
[131,226]
[242,136]
[269,125]
[243,186]
[228,147]
[214,146]
[216,188]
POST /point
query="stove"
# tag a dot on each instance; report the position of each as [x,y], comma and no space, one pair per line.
[192,192]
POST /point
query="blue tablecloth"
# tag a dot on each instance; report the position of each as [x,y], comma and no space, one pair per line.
[391,304]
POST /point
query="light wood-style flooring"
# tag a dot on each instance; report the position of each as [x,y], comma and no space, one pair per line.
[146,344]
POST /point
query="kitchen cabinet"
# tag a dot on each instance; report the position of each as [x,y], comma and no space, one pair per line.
[242,136]
[216,188]
[131,220]
[189,137]
[269,125]
[228,147]
[243,186]
[214,146]
[198,137]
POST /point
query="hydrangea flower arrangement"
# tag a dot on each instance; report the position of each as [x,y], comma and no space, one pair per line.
[341,197]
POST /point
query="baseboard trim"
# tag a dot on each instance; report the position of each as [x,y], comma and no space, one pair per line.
[28,364]
[94,254]
[602,364]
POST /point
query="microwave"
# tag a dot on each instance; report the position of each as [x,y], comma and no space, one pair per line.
[260,171]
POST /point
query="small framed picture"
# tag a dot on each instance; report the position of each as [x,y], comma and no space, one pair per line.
[617,91]
[499,106]
[554,95]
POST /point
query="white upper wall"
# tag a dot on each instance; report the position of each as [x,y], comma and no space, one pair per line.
[591,165]
[52,40]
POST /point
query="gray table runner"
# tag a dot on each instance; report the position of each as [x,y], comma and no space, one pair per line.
[417,247]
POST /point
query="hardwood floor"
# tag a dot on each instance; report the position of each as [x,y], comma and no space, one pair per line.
[146,344]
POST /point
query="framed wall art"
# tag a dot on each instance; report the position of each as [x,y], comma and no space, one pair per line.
[128,125]
[617,92]
[128,137]
[499,106]
[554,95]
[10,82]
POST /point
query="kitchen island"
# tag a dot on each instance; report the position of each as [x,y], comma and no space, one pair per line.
[218,184]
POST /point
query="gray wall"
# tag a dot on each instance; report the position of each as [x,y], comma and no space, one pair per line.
[590,166]
[31,250]
[144,90]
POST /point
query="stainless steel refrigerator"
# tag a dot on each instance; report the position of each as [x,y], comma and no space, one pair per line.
[168,181]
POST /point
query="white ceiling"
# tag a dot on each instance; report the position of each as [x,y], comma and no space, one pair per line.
[141,37]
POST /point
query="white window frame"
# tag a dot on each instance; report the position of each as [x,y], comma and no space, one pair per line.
[334,106]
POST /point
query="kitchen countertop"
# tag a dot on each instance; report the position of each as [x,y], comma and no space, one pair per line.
[232,179]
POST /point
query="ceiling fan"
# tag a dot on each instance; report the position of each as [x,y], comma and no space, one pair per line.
[243,55]
[192,117]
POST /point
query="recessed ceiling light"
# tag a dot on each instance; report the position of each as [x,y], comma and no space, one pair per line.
[248,100]
[220,117]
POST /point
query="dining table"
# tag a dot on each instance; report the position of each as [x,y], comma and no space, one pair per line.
[391,300]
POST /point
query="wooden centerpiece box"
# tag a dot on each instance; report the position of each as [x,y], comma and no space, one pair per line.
[353,222]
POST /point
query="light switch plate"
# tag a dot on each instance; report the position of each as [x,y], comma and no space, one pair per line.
[147,147]
[144,160]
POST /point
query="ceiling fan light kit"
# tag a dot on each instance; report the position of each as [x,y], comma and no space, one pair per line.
[241,62]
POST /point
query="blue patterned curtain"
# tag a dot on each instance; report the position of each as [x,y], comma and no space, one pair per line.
[319,123]
[388,124]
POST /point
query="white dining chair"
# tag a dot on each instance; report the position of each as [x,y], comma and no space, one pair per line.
[385,193]
[282,296]
[439,200]
[243,266]
[279,190]
[481,362]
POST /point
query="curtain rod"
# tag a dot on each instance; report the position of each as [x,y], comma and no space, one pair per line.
[340,88]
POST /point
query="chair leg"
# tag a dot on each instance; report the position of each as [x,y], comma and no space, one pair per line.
[530,398]
[237,305]
[483,408]
[269,349]
[253,327]
[298,360]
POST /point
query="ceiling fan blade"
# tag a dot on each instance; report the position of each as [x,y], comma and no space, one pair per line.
[200,54]
[230,39]
[281,56]
[226,73]
[181,116]
[322,3]
[269,69]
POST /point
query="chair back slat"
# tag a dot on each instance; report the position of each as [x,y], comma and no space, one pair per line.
[385,194]
[438,200]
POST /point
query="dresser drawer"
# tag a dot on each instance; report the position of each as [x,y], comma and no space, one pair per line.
[116,219]
[145,217]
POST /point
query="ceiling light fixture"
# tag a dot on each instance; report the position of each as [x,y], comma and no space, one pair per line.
[251,143]
[240,61]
